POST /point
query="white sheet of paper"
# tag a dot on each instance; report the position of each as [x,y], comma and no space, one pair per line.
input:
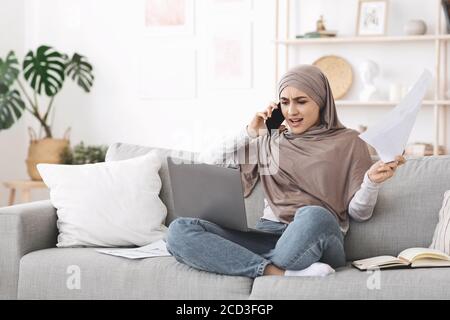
[155,249]
[390,135]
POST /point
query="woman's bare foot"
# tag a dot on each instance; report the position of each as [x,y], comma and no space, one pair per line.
[272,270]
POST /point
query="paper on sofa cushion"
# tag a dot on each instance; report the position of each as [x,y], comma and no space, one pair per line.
[107,204]
[155,249]
[390,135]
[441,236]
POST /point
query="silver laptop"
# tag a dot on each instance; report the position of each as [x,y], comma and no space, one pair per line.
[208,192]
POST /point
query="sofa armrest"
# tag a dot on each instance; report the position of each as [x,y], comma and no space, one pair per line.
[23,228]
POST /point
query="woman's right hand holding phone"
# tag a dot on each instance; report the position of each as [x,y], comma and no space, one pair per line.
[257,126]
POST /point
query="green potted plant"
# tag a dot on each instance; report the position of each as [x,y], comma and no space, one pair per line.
[45,70]
[82,154]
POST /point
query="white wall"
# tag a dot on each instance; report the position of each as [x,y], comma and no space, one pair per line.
[13,141]
[109,33]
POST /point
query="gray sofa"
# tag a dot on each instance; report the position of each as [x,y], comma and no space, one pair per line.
[31,267]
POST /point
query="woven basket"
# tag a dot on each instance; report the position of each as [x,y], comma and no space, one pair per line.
[47,150]
[338,72]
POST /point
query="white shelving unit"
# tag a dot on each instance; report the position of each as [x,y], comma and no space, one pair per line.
[440,39]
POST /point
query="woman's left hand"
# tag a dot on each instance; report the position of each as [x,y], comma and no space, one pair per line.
[380,171]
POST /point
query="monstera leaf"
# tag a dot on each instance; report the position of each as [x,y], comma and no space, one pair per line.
[44,70]
[11,108]
[9,70]
[81,71]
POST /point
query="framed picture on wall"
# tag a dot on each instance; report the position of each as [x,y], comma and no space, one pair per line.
[169,17]
[372,16]
[229,56]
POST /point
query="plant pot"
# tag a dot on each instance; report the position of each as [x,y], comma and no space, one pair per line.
[47,150]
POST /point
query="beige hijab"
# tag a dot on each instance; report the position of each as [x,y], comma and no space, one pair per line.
[323,166]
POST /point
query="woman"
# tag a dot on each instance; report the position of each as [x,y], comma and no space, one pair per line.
[320,173]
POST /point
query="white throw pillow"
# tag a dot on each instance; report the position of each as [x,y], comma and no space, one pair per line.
[107,204]
[441,237]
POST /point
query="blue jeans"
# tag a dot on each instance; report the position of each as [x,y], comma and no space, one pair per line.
[314,235]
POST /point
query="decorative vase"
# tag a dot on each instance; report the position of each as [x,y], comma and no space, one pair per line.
[415,27]
[47,150]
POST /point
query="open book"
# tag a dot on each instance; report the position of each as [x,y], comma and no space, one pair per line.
[409,258]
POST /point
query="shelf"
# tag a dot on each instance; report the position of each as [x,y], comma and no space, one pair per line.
[386,103]
[361,39]
[284,40]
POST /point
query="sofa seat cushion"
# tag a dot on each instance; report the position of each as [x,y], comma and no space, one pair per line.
[350,283]
[406,212]
[44,274]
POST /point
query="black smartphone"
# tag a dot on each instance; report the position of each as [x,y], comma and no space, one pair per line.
[277,118]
